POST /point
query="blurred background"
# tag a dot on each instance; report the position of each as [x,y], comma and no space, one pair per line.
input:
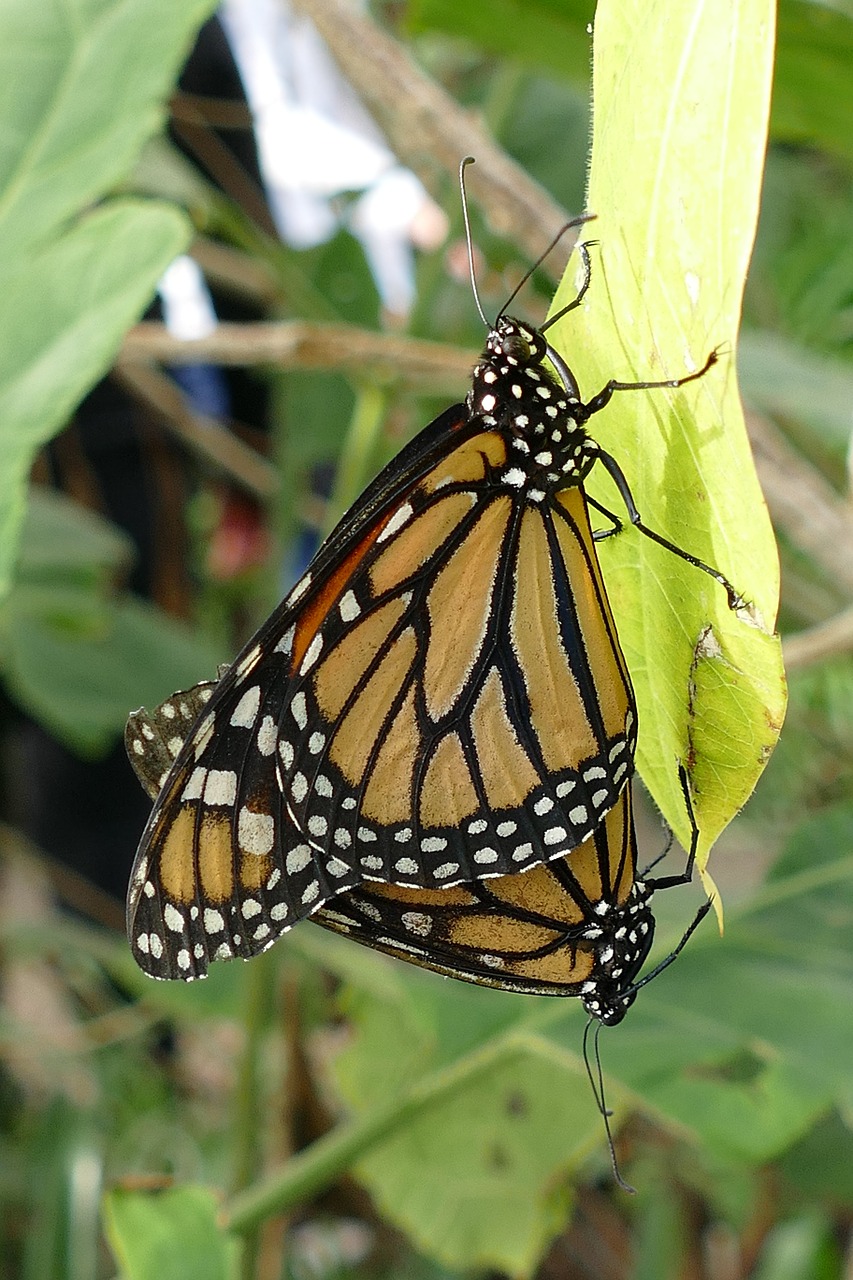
[173,501]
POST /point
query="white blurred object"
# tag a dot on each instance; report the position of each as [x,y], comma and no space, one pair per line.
[187,305]
[316,141]
[388,220]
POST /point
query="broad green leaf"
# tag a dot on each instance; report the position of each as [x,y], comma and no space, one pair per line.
[507,1145]
[76,653]
[64,308]
[752,1120]
[811,98]
[61,539]
[170,1234]
[78,662]
[814,47]
[83,85]
[681,97]
[773,993]
[554,37]
[786,380]
[822,1164]
[802,1246]
[479,1179]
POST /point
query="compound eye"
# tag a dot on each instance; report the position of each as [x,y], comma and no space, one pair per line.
[516,347]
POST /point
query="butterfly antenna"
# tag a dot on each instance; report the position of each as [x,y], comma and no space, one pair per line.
[596,1082]
[468,241]
[575,222]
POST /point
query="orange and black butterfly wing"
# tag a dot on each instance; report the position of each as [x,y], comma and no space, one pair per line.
[541,931]
[195,759]
[423,709]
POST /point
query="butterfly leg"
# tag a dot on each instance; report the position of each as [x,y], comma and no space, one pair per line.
[604,396]
[583,253]
[616,525]
[735,599]
[684,877]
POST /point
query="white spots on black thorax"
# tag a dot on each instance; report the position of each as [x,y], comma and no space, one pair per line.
[515,393]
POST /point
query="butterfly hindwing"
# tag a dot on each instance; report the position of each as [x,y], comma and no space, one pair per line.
[561,928]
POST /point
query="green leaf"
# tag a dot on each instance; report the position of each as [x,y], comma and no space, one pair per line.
[811,98]
[552,36]
[83,88]
[65,308]
[786,380]
[171,1234]
[803,1246]
[681,97]
[84,82]
[507,1144]
[78,663]
[744,1043]
[821,1166]
[479,1179]
[751,1120]
[73,651]
[61,539]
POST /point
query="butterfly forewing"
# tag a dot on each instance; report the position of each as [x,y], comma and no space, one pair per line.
[441,698]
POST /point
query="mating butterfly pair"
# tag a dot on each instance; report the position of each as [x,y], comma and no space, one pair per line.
[428,746]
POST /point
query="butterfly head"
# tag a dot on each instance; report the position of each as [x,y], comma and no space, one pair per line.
[517,343]
[621,949]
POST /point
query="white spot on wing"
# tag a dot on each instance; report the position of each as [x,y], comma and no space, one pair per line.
[416,922]
[173,918]
[312,653]
[213,921]
[285,644]
[221,787]
[398,519]
[299,710]
[246,711]
[267,735]
[255,832]
[195,785]
[349,608]
[298,859]
[299,590]
[485,856]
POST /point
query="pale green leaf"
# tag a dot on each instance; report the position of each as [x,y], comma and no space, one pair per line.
[681,99]
[62,539]
[78,662]
[507,1144]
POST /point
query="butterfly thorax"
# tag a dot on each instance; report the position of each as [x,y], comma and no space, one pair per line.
[514,392]
[621,948]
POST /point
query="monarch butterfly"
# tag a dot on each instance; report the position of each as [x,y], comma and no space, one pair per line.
[580,925]
[441,699]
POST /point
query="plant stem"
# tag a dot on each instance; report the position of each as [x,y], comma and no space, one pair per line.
[318,1165]
[248,1102]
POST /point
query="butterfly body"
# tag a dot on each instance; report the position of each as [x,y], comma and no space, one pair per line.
[441,699]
